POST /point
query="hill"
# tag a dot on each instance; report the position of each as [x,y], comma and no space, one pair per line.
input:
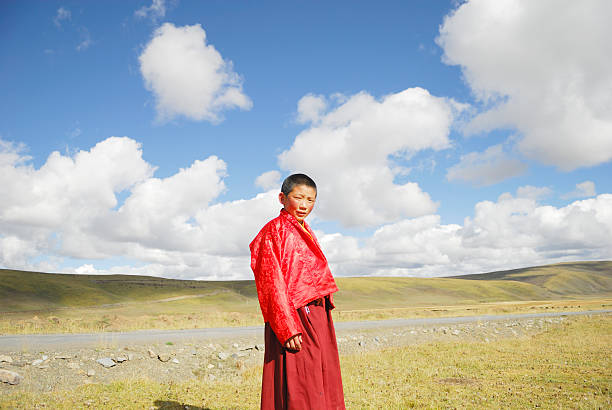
[31,291]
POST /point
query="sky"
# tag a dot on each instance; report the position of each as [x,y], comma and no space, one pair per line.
[446,138]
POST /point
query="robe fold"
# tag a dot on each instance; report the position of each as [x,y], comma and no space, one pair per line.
[290,271]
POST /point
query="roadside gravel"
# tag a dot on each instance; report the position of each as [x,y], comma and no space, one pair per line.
[173,357]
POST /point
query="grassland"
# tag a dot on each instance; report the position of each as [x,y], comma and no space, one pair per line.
[567,366]
[48,303]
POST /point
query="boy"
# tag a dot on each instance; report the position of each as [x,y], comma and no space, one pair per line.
[295,286]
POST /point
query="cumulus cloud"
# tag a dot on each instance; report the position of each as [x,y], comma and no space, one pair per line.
[156,11]
[583,190]
[61,15]
[541,67]
[69,208]
[189,77]
[533,192]
[504,234]
[310,108]
[486,168]
[269,180]
[354,146]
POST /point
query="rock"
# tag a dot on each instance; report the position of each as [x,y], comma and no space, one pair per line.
[211,377]
[163,357]
[175,360]
[45,358]
[63,357]
[260,347]
[424,330]
[7,359]
[37,362]
[194,353]
[91,373]
[152,354]
[210,366]
[7,376]
[455,332]
[222,355]
[121,359]
[130,356]
[106,362]
[73,365]
[361,343]
[235,345]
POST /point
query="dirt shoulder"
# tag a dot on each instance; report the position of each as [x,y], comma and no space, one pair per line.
[165,358]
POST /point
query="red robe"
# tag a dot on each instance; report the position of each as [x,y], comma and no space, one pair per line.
[290,271]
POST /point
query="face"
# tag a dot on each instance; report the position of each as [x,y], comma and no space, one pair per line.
[299,202]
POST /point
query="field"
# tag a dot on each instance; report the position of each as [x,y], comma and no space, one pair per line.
[52,303]
[567,366]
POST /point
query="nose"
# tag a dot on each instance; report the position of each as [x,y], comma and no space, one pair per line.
[303,204]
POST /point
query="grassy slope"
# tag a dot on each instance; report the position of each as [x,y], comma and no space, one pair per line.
[24,291]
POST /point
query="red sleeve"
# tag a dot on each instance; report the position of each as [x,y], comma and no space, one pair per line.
[276,307]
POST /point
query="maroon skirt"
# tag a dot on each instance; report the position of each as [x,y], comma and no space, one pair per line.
[309,378]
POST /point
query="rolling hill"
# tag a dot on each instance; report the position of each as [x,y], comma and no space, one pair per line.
[22,291]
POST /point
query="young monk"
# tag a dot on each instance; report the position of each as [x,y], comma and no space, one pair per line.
[295,286]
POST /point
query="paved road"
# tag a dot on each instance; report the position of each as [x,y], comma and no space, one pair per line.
[58,341]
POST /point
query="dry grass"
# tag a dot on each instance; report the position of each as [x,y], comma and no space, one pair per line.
[568,366]
[188,314]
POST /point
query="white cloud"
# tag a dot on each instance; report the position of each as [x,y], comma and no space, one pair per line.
[156,11]
[584,189]
[533,192]
[188,76]
[350,150]
[502,235]
[486,168]
[85,39]
[68,208]
[310,108]
[542,67]
[269,180]
[61,15]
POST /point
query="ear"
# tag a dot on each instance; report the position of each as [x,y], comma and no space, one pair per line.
[282,198]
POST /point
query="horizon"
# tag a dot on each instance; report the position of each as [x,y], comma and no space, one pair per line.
[151,137]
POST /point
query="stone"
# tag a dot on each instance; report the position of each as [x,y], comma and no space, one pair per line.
[163,357]
[91,373]
[210,366]
[121,359]
[7,376]
[222,356]
[152,354]
[63,357]
[175,360]
[106,362]
[6,359]
[45,357]
[235,345]
[37,362]
[455,332]
[361,343]
[130,356]
[260,347]
[73,365]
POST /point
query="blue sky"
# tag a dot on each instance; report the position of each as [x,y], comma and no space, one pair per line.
[446,137]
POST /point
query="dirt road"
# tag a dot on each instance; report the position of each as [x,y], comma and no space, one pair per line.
[63,362]
[13,343]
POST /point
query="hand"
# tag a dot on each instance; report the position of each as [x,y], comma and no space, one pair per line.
[294,343]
